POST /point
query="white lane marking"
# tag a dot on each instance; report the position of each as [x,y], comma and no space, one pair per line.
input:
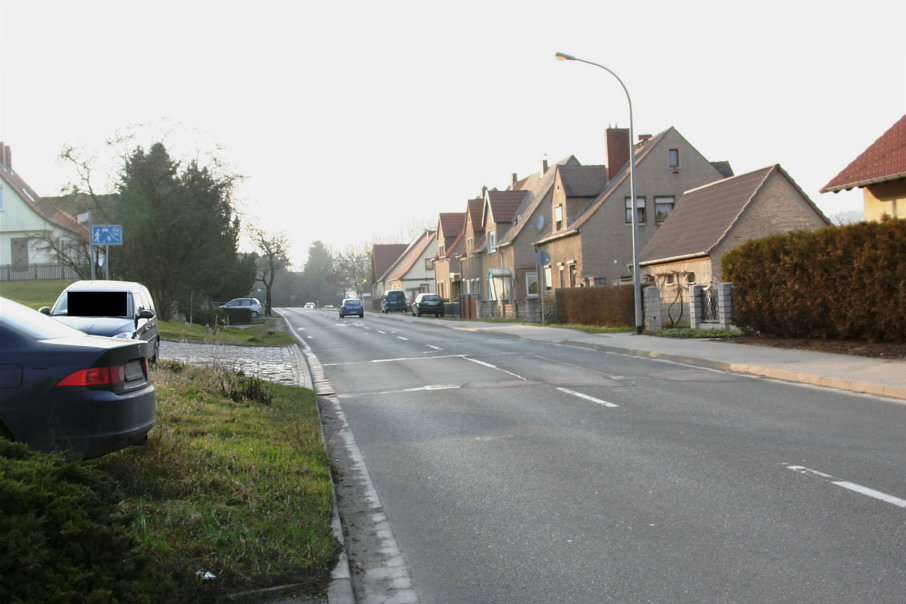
[519,377]
[429,388]
[849,485]
[402,338]
[434,347]
[586,397]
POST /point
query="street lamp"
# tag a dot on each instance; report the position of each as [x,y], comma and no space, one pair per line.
[636,279]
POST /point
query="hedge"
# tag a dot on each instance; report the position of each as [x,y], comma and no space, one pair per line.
[846,282]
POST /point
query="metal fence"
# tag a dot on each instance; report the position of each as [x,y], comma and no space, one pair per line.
[36,272]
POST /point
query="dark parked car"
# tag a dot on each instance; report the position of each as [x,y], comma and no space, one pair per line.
[394,301]
[61,389]
[117,309]
[428,304]
[352,306]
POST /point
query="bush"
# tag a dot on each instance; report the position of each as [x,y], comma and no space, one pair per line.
[839,282]
[612,306]
[63,536]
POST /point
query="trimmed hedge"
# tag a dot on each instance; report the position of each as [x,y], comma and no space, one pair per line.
[611,306]
[846,282]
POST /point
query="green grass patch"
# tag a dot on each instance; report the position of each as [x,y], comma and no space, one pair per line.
[33,294]
[261,334]
[233,481]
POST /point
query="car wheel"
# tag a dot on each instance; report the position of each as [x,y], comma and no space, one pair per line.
[254,315]
[156,355]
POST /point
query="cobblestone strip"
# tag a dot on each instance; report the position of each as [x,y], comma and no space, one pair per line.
[279,364]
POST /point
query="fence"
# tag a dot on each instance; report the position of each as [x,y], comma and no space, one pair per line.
[710,307]
[37,272]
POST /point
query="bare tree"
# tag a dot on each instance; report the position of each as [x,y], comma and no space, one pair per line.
[274,256]
[352,269]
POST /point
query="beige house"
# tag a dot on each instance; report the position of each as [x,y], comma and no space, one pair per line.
[473,242]
[413,271]
[450,244]
[28,224]
[498,216]
[880,171]
[591,241]
[556,190]
[713,219]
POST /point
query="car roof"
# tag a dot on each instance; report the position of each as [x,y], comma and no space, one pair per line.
[103,285]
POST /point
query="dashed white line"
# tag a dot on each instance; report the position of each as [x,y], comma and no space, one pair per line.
[495,367]
[587,397]
[433,347]
[849,485]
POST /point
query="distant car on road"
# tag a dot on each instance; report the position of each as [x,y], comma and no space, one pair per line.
[309,305]
[352,306]
[252,304]
[394,301]
[117,309]
[428,304]
[63,389]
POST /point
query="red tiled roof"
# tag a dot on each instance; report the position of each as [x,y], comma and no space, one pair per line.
[384,256]
[884,160]
[451,224]
[503,204]
[475,208]
[41,207]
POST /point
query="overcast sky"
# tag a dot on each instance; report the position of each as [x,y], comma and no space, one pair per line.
[356,121]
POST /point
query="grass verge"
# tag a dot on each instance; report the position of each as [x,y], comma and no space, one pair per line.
[233,481]
[259,334]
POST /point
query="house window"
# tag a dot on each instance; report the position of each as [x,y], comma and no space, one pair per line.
[429,263]
[674,158]
[690,278]
[470,243]
[558,218]
[562,277]
[531,284]
[640,208]
[662,207]
[573,273]
[671,279]
[492,242]
[547,278]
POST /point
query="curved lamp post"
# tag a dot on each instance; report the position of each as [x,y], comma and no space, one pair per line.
[636,279]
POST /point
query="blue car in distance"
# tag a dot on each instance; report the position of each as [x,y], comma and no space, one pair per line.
[352,306]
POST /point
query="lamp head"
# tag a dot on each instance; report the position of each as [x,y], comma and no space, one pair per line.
[562,56]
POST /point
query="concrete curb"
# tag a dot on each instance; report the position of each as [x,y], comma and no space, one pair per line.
[340,590]
[777,374]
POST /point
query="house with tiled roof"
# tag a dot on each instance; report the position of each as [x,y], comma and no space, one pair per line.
[591,242]
[545,189]
[880,171]
[413,271]
[450,243]
[711,220]
[497,217]
[383,257]
[473,243]
[28,223]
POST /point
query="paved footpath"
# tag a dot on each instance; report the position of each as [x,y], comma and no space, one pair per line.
[279,364]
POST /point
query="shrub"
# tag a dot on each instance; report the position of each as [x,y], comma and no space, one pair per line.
[839,282]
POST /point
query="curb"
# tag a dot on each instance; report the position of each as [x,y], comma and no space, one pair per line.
[340,589]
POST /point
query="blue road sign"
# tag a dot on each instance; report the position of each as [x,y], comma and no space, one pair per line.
[107,234]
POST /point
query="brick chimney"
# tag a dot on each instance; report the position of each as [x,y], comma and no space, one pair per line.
[6,157]
[544,166]
[617,150]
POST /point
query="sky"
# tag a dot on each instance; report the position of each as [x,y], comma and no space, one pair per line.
[359,122]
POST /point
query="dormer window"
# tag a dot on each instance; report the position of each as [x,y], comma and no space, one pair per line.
[492,242]
[558,218]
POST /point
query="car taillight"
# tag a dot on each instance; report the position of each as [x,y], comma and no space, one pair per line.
[97,377]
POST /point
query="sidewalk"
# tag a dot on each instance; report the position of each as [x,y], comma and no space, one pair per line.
[882,377]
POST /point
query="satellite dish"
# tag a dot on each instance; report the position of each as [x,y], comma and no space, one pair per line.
[542,258]
[540,222]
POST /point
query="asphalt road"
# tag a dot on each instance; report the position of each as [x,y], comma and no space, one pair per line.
[513,472]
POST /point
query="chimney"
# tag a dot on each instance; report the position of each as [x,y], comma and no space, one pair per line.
[544,166]
[515,180]
[617,150]
[6,156]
